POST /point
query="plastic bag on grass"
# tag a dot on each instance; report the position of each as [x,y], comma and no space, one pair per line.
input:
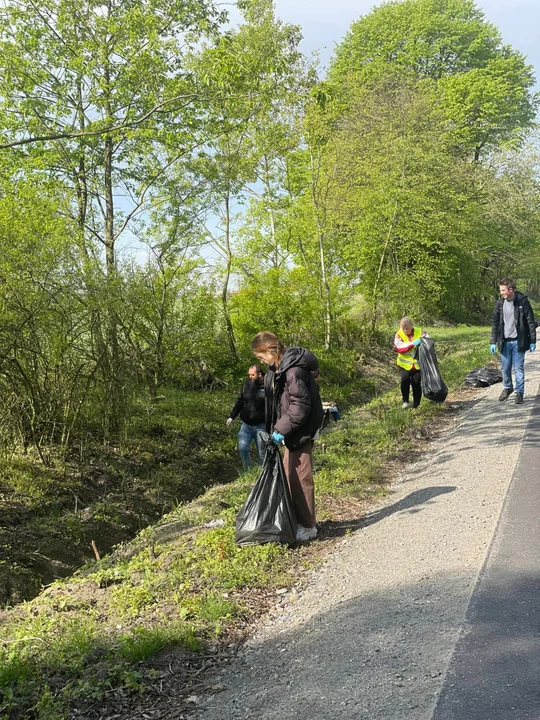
[268,514]
[482,377]
[433,386]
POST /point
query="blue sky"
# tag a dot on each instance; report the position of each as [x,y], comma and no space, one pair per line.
[325,22]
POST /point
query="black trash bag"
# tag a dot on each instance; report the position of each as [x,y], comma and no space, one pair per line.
[268,513]
[482,377]
[433,386]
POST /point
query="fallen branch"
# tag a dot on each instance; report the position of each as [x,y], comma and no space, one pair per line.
[24,639]
[96,551]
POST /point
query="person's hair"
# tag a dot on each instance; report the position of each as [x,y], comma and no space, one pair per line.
[405,322]
[258,368]
[508,283]
[267,342]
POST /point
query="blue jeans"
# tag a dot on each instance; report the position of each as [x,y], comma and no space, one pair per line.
[511,357]
[247,434]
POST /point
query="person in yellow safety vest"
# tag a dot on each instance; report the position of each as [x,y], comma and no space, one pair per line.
[406,341]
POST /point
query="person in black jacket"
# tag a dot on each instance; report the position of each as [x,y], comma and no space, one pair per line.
[294,414]
[250,405]
[513,332]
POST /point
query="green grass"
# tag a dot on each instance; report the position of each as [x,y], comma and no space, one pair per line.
[179,584]
[172,451]
[380,430]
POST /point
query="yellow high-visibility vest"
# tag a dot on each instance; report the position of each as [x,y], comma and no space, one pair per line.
[406,360]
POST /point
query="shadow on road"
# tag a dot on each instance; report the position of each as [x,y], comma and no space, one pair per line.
[383,653]
[412,504]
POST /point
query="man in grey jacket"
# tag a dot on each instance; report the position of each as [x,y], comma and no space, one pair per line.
[513,332]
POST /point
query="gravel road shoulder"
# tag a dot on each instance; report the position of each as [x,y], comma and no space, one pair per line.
[372,634]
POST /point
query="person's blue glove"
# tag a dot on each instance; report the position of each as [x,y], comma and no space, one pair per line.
[417,342]
[532,347]
[492,349]
[278,438]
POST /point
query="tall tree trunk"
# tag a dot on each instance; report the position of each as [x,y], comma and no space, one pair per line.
[326,291]
[275,251]
[82,183]
[225,292]
[379,271]
[325,286]
[160,359]
[92,291]
[115,383]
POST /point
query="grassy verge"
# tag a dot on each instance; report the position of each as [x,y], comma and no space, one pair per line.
[171,451]
[182,585]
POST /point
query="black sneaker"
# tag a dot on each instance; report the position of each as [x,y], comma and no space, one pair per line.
[519,399]
[506,394]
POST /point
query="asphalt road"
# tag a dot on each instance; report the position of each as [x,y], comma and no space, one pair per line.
[431,610]
[495,671]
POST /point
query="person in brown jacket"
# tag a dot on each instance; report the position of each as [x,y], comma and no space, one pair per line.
[293,415]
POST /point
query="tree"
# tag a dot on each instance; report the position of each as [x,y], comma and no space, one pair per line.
[401,207]
[168,312]
[509,195]
[47,367]
[255,69]
[283,300]
[448,45]
[89,95]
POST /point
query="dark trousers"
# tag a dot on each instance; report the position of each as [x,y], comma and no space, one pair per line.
[411,378]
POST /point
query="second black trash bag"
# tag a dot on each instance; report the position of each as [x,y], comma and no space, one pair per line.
[482,377]
[433,386]
[268,513]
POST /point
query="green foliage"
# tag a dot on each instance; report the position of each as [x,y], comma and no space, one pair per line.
[284,301]
[431,37]
[262,199]
[419,88]
[173,321]
[448,44]
[46,371]
[256,198]
[399,204]
[100,98]
[144,642]
[229,566]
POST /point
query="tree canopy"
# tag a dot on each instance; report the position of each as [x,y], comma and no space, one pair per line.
[173,183]
[484,84]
